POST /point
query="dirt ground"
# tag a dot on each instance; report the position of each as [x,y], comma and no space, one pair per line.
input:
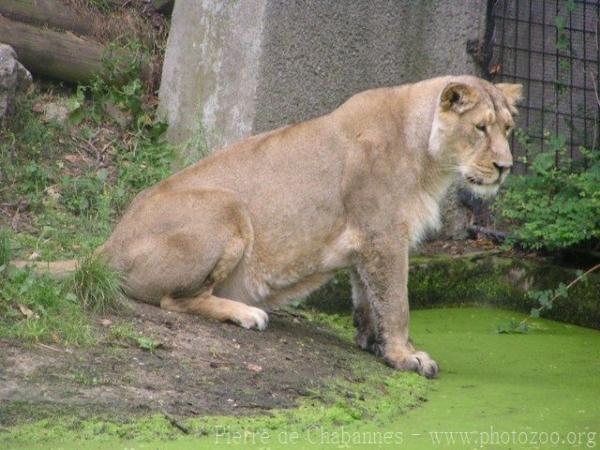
[201,367]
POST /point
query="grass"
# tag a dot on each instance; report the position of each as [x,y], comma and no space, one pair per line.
[62,187]
[5,250]
[37,308]
[96,285]
[125,331]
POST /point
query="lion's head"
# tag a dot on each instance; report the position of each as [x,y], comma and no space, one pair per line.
[473,122]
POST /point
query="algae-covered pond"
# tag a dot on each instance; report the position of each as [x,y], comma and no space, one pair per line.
[538,390]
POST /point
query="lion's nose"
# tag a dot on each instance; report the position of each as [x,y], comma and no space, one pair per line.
[502,167]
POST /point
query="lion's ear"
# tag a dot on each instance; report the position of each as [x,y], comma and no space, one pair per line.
[458,97]
[512,92]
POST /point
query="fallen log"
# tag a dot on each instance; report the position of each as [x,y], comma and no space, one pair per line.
[60,55]
[51,13]
[163,6]
[51,53]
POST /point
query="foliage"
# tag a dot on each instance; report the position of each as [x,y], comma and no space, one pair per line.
[512,326]
[96,285]
[554,206]
[557,205]
[119,85]
[545,299]
[82,194]
[62,186]
[70,181]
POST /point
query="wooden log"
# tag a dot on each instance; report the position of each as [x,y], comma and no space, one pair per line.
[51,13]
[163,6]
[60,55]
[51,53]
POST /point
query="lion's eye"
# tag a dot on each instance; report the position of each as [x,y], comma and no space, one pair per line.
[481,127]
[508,129]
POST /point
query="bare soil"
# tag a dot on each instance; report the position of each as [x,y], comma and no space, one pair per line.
[201,367]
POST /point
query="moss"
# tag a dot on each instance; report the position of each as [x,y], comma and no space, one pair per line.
[333,298]
[487,280]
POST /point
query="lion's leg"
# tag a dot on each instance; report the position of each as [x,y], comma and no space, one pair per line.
[181,245]
[222,309]
[362,316]
[383,268]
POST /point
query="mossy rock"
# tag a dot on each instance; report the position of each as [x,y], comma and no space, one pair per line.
[481,279]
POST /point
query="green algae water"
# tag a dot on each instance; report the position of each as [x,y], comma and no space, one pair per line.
[516,391]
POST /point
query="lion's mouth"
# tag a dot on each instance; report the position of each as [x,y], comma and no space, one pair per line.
[479,182]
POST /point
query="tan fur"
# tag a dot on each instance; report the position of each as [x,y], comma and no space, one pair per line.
[274,216]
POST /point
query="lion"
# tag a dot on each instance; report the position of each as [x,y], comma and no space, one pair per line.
[274,216]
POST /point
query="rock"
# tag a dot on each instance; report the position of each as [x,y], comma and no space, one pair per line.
[55,112]
[13,78]
[254,367]
[123,118]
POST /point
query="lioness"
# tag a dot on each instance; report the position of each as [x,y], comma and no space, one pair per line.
[273,217]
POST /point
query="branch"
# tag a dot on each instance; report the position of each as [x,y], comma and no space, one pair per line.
[571,284]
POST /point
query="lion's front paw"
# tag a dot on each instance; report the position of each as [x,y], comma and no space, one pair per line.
[419,362]
[252,318]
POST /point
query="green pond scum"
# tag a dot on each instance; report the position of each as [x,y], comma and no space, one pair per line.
[534,390]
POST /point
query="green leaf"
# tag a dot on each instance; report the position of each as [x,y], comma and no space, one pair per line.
[562,291]
[76,117]
[102,175]
[147,343]
[535,313]
[543,162]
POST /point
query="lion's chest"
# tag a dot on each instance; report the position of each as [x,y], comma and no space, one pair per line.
[423,217]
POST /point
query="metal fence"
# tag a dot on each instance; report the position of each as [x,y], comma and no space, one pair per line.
[552,48]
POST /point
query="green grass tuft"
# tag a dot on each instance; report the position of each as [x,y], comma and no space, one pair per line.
[5,250]
[36,308]
[97,285]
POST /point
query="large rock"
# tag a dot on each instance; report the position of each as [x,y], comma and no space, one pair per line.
[13,78]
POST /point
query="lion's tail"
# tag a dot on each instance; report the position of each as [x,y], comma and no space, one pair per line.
[56,269]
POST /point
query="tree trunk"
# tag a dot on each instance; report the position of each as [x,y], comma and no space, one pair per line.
[53,13]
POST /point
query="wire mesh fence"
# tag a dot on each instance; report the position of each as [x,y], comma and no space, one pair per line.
[552,47]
